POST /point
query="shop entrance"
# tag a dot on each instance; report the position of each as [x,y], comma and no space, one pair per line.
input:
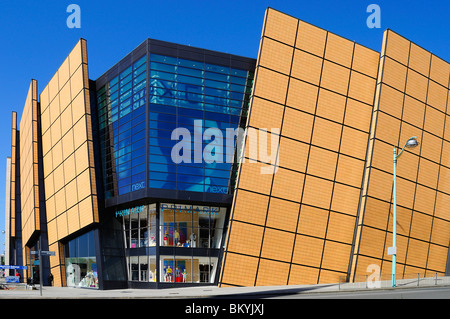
[172,244]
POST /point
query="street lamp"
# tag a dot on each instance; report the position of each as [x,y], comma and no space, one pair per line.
[410,143]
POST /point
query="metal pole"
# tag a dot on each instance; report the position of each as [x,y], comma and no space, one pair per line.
[40,271]
[394,223]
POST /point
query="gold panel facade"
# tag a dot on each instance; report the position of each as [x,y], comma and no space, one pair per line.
[411,100]
[316,89]
[29,181]
[340,109]
[69,176]
[13,182]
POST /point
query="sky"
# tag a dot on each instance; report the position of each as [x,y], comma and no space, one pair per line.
[35,37]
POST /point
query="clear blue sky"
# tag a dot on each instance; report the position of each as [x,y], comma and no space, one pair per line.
[35,39]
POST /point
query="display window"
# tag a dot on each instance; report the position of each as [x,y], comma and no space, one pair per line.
[81,263]
[142,268]
[191,225]
[139,226]
[180,226]
[187,269]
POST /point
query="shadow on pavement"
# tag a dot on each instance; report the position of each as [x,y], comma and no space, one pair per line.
[269,293]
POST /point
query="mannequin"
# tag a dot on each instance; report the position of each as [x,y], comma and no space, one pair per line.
[151,276]
[166,239]
[168,277]
[193,240]
[176,237]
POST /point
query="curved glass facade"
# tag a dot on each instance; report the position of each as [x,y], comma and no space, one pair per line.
[192,96]
[180,94]
[121,113]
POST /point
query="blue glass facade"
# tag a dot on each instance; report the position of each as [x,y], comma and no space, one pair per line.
[121,113]
[195,96]
[139,109]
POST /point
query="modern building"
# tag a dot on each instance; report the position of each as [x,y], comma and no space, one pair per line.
[98,185]
[325,214]
[142,178]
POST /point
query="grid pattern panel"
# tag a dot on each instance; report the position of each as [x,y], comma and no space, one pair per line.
[14,157]
[121,108]
[322,107]
[193,96]
[182,96]
[29,187]
[68,154]
[412,100]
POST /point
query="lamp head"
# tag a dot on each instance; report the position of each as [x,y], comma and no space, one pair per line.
[412,142]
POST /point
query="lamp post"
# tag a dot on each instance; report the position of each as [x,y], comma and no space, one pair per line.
[410,143]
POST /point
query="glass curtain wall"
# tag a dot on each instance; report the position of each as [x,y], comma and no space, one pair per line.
[188,269]
[194,97]
[81,263]
[191,225]
[194,230]
[142,268]
[191,95]
[121,112]
[140,226]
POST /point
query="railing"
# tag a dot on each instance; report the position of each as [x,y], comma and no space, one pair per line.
[374,281]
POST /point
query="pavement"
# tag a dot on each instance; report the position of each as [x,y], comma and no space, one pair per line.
[178,293]
[207,292]
[212,301]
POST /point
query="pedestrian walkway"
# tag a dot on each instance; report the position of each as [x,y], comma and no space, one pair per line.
[188,292]
[23,291]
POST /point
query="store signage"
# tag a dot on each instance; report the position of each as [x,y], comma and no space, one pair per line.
[43,252]
[191,209]
[392,250]
[12,279]
[137,186]
[13,267]
[201,210]
[218,189]
[129,211]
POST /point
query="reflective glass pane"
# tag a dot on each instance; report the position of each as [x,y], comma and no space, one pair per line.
[180,93]
[80,260]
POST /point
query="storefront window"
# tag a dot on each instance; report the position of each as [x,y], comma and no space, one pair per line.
[142,268]
[139,225]
[182,226]
[34,261]
[191,225]
[217,224]
[81,265]
[187,269]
